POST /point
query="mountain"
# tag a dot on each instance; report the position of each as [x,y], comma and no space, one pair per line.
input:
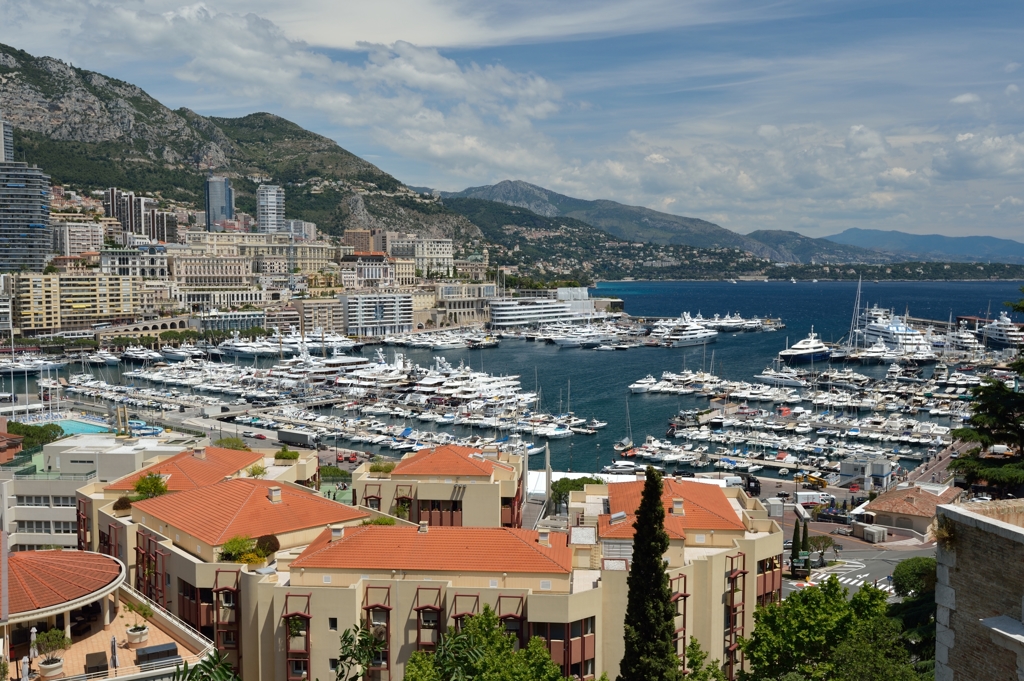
[92,132]
[797,248]
[934,246]
[632,223]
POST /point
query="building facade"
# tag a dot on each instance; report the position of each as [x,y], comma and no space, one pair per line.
[367,270]
[25,232]
[360,240]
[148,262]
[75,238]
[47,303]
[377,314]
[270,208]
[431,256]
[6,141]
[220,201]
[462,303]
[193,271]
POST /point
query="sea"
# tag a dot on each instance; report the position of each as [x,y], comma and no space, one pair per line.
[595,384]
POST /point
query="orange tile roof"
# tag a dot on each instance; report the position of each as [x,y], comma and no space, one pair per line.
[440,549]
[241,506]
[912,501]
[187,472]
[448,460]
[42,579]
[705,508]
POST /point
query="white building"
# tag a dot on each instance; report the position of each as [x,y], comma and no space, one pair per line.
[300,229]
[270,208]
[148,262]
[513,312]
[377,314]
[430,255]
[75,238]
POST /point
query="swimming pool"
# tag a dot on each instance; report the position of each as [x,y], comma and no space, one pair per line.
[74,427]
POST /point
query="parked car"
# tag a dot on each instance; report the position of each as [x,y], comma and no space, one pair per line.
[788,544]
[260,436]
[248,433]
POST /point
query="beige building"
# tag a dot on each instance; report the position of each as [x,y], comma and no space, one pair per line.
[435,256]
[359,239]
[46,303]
[448,485]
[367,270]
[199,271]
[911,506]
[405,271]
[319,313]
[75,238]
[461,303]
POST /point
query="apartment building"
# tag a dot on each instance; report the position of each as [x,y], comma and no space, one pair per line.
[38,490]
[405,271]
[367,270]
[46,303]
[360,240]
[270,208]
[75,238]
[302,256]
[430,256]
[300,229]
[447,486]
[25,233]
[228,320]
[377,314]
[326,314]
[147,262]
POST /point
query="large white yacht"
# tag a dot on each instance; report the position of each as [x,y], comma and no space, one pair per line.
[881,325]
[810,349]
[1002,333]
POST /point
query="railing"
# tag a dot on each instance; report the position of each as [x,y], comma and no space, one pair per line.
[23,458]
[31,473]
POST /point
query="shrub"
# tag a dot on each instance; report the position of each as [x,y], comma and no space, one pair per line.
[233,550]
[122,504]
[382,466]
[140,609]
[256,471]
[334,473]
[267,544]
[149,486]
[380,520]
[286,454]
[236,443]
[251,558]
[50,643]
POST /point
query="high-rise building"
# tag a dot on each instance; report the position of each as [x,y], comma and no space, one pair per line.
[6,141]
[220,200]
[270,208]
[25,236]
[75,238]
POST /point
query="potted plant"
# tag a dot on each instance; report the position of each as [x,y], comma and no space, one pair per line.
[51,644]
[296,632]
[139,631]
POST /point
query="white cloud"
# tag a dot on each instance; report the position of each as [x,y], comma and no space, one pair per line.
[1011,89]
[979,156]
[1011,67]
[966,98]
[1008,203]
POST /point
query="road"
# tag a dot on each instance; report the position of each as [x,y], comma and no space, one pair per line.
[859,567]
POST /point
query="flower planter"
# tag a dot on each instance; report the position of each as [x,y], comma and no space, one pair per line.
[49,671]
[138,636]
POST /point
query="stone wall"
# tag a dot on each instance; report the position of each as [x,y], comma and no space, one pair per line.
[979,576]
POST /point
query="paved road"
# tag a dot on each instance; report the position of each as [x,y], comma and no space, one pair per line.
[859,567]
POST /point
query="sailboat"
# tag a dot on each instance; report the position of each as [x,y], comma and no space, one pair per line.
[625,443]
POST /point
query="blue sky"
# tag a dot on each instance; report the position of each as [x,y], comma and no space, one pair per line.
[811,116]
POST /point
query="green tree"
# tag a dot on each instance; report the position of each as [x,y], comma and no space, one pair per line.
[149,486]
[802,633]
[794,549]
[213,667]
[914,580]
[483,650]
[805,546]
[232,443]
[872,651]
[35,436]
[820,543]
[697,666]
[560,489]
[650,617]
[357,650]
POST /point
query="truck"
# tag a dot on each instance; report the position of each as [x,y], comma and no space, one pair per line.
[302,438]
[812,498]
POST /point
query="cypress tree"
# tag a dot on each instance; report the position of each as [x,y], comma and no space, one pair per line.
[794,550]
[650,617]
[805,546]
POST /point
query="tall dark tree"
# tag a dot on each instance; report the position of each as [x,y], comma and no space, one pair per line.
[650,617]
[805,546]
[794,550]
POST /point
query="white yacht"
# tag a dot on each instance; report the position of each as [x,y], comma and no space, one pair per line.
[878,324]
[1002,333]
[643,385]
[175,354]
[810,349]
[688,334]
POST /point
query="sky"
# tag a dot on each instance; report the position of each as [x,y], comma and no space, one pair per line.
[781,114]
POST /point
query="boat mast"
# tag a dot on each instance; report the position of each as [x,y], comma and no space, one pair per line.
[856,310]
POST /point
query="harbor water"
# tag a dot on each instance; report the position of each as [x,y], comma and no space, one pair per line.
[594,384]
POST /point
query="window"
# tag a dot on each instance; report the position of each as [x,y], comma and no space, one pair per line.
[299,667]
[588,626]
[33,501]
[576,629]
[37,526]
[333,662]
[374,504]
[64,527]
[332,624]
[229,638]
[227,599]
[429,619]
[64,501]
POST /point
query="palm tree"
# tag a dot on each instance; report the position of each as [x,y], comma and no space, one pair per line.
[211,668]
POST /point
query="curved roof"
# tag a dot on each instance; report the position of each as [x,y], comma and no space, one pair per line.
[44,579]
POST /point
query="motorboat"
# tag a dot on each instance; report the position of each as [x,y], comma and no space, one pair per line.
[643,385]
[810,349]
[1002,333]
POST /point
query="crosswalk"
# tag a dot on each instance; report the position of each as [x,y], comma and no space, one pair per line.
[854,581]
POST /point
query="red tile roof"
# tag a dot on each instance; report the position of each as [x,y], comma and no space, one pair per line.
[440,549]
[42,579]
[448,460]
[186,471]
[912,501]
[241,506]
[705,508]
